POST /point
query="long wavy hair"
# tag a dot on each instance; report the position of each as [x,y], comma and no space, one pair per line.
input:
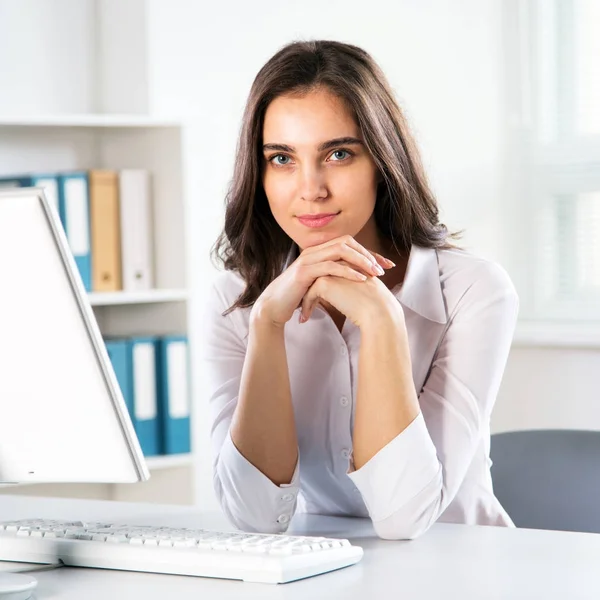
[406,212]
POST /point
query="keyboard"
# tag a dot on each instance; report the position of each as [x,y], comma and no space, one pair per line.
[250,557]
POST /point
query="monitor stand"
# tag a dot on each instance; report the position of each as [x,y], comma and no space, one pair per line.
[15,586]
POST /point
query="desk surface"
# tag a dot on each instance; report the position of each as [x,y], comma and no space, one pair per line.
[448,562]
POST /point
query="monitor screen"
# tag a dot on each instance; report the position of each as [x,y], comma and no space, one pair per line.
[62,415]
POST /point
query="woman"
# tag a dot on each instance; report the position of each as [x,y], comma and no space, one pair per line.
[354,353]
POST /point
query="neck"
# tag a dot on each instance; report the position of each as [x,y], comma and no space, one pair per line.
[372,240]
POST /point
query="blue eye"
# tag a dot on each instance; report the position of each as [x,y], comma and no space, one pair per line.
[275,160]
[336,155]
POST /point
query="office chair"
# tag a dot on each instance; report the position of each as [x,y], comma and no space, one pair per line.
[548,479]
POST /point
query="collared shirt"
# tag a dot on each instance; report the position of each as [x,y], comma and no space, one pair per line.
[460,314]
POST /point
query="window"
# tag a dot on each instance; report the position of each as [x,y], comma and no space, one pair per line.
[553,156]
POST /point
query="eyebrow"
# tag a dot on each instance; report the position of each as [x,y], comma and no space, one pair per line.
[328,145]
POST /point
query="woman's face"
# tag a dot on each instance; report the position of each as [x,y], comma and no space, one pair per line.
[315,164]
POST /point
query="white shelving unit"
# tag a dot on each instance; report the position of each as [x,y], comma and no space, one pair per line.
[46,144]
[142,297]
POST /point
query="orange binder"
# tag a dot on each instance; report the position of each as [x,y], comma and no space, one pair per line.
[106,231]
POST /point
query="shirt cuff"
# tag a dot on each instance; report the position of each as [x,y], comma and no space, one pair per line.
[250,496]
[398,472]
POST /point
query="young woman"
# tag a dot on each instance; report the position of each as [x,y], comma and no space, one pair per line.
[353,353]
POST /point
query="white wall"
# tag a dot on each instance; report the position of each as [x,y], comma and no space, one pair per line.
[47,57]
[549,388]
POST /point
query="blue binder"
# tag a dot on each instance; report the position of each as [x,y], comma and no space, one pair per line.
[74,210]
[119,352]
[16,181]
[47,181]
[174,394]
[144,394]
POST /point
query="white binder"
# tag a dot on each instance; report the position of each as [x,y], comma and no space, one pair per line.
[137,240]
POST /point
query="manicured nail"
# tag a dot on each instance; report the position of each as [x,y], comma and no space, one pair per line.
[389,262]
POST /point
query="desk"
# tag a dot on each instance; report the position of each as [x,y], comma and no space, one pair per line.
[449,562]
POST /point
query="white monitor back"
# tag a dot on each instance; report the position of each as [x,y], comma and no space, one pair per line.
[62,415]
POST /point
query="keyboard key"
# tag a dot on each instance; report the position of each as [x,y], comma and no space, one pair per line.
[184,544]
[117,539]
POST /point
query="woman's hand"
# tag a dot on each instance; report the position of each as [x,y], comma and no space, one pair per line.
[342,259]
[363,303]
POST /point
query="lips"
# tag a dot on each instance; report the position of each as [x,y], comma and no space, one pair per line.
[318,220]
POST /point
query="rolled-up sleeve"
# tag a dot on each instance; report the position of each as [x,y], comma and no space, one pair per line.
[408,484]
[250,500]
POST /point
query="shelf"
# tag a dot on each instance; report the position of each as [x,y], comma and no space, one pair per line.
[91,120]
[169,461]
[145,297]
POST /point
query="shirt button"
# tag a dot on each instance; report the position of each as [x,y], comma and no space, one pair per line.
[343,350]
[346,453]
[283,519]
[344,401]
[287,497]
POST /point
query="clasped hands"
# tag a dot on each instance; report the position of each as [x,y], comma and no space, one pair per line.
[341,273]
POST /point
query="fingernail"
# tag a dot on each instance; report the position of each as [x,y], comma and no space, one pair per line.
[301,318]
[378,270]
[389,262]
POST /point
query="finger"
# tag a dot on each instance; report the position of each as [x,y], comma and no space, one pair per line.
[352,255]
[341,268]
[373,257]
[310,273]
[343,252]
[310,300]
[386,263]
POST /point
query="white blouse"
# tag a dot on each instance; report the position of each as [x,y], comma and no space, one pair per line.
[460,313]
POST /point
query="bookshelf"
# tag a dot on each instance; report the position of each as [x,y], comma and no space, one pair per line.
[145,297]
[55,143]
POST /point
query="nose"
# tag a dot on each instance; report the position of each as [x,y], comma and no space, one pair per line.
[313,186]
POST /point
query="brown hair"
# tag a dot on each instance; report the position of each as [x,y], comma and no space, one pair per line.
[406,212]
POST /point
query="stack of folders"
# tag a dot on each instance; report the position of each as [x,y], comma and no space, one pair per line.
[107,217]
[153,375]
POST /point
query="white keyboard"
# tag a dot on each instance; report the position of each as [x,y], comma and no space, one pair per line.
[202,553]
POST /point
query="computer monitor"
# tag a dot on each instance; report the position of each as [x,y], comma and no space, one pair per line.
[62,415]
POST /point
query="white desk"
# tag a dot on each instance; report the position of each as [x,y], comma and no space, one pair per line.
[449,562]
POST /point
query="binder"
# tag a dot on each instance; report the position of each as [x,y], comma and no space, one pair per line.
[105,231]
[15,181]
[174,394]
[74,210]
[48,182]
[120,354]
[137,242]
[145,408]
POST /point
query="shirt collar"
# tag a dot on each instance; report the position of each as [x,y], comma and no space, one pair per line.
[421,290]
